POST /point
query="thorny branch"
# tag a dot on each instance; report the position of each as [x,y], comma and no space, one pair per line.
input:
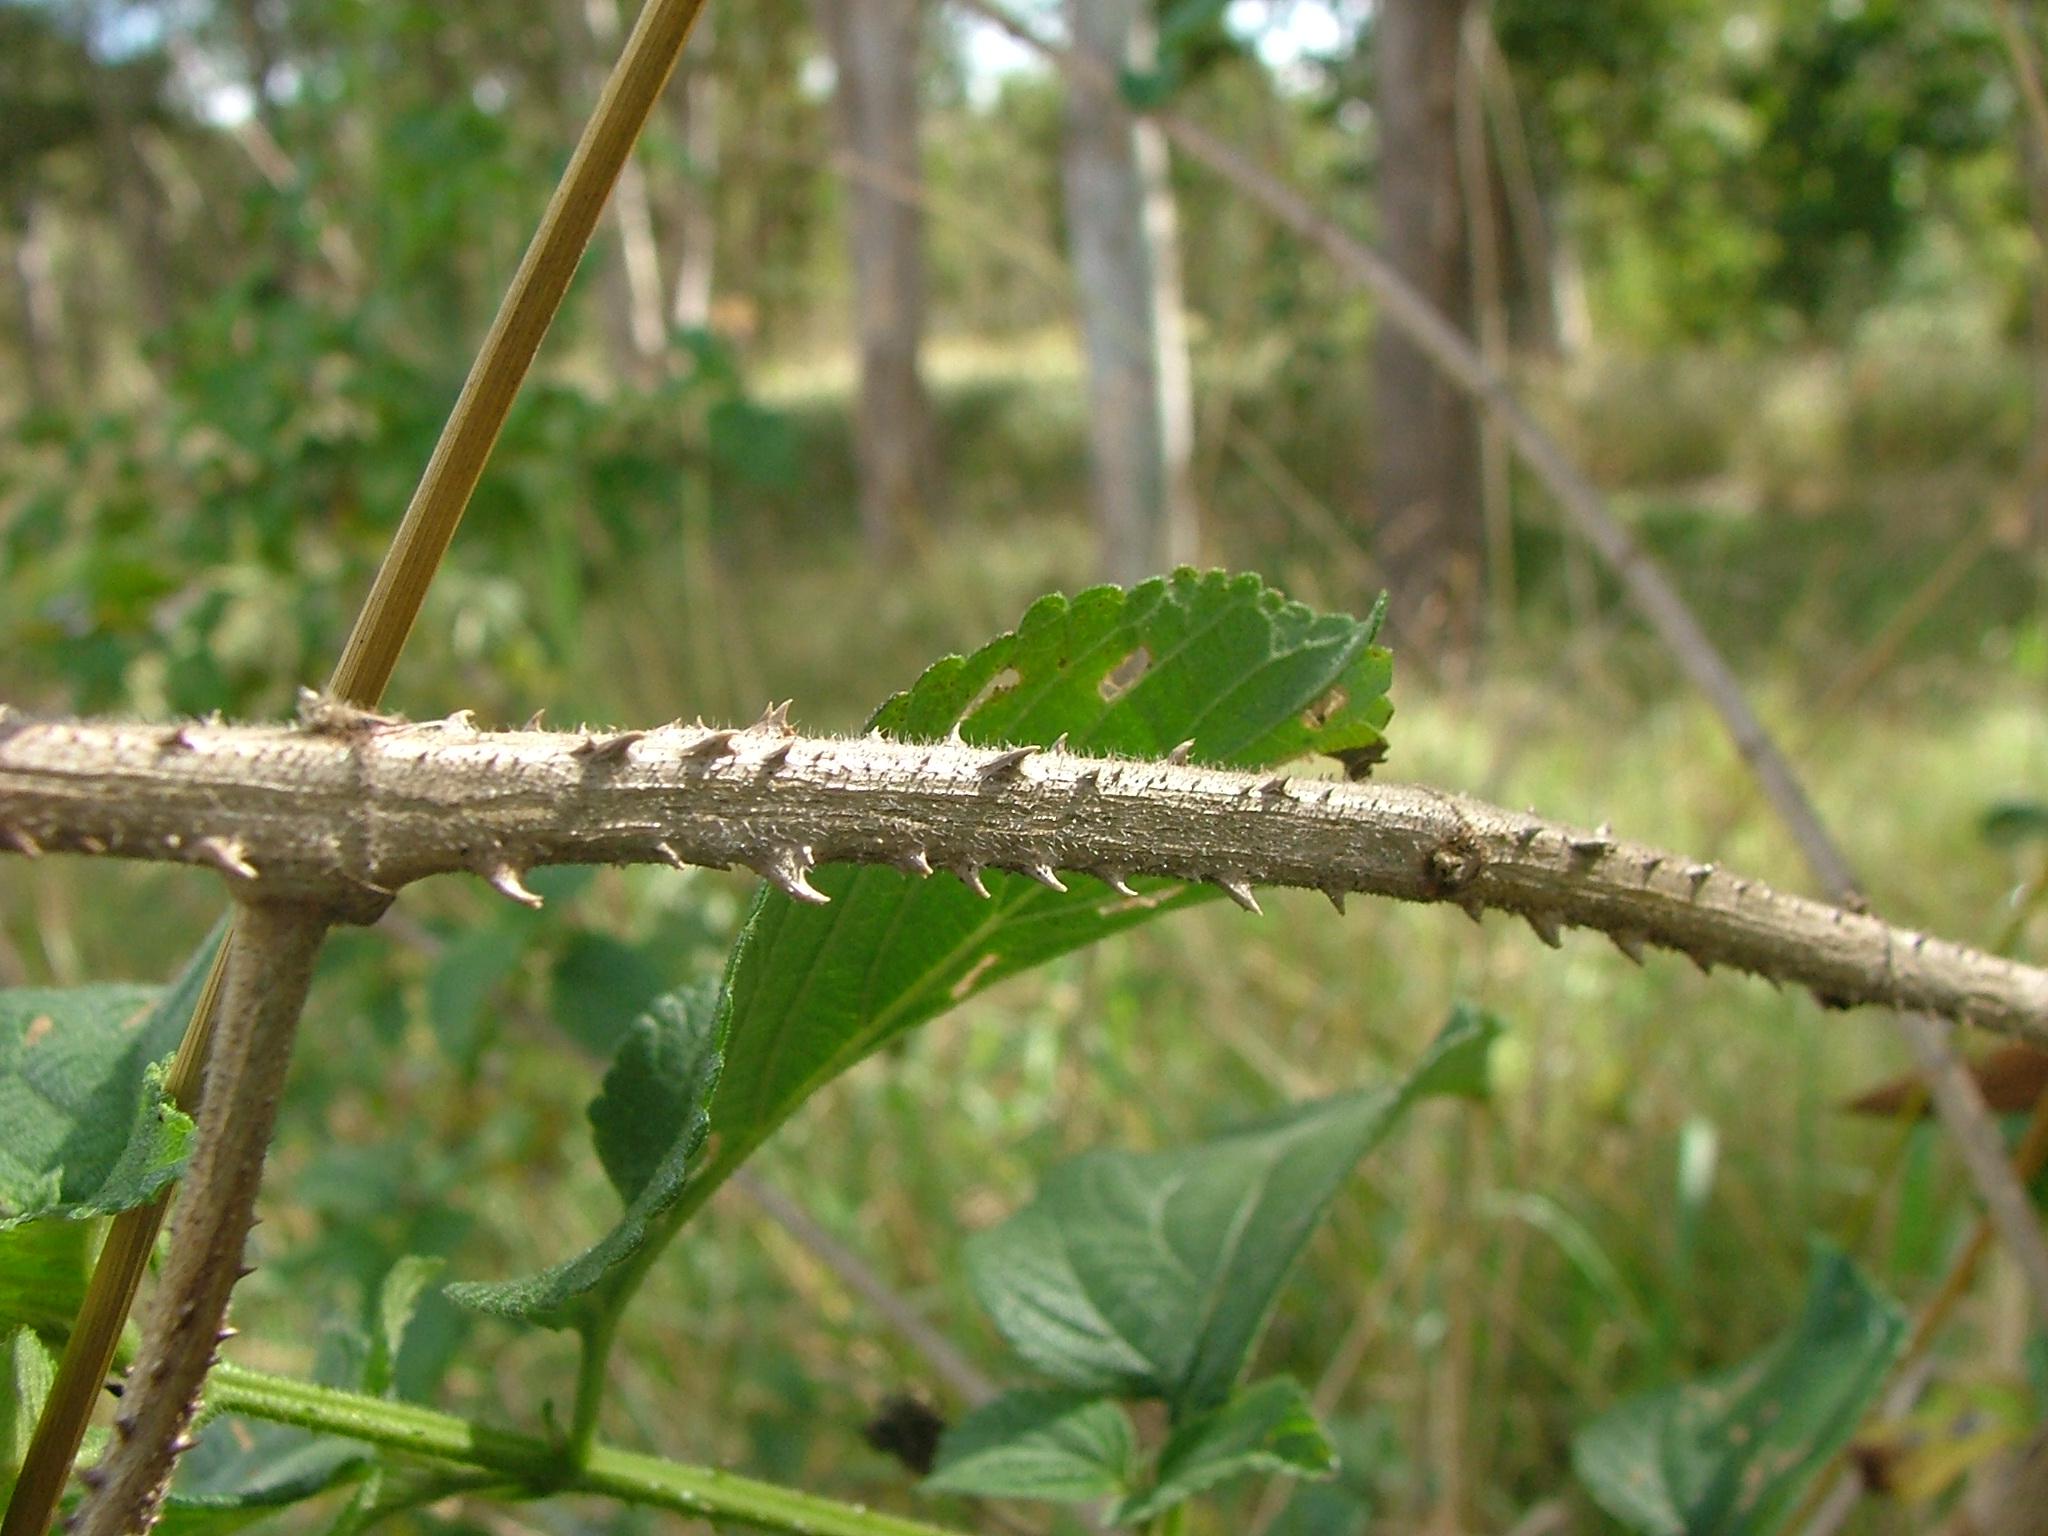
[270,966]
[347,808]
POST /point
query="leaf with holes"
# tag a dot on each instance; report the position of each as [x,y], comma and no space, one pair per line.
[1732,1455]
[650,1122]
[1251,678]
[84,1126]
[1151,1274]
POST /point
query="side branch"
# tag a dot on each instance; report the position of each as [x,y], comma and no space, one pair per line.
[345,811]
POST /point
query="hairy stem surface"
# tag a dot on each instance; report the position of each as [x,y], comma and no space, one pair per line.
[344,814]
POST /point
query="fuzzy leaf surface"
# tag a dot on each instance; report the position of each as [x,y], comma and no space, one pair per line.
[1035,1444]
[650,1122]
[1731,1455]
[1251,678]
[1267,1428]
[1151,1274]
[84,1127]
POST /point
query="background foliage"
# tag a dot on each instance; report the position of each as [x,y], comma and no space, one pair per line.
[1797,283]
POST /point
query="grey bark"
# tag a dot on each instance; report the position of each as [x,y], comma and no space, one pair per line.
[347,810]
[1123,233]
[874,47]
[1428,528]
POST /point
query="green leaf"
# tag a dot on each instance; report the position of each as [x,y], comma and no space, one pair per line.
[1265,1428]
[398,1303]
[1227,662]
[1067,1446]
[26,1370]
[1732,1455]
[1151,1274]
[243,1470]
[598,986]
[43,1269]
[84,1127]
[650,1122]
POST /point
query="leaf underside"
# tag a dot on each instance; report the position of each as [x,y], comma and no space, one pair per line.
[1151,1274]
[1037,1444]
[1267,1428]
[1731,1455]
[84,1126]
[650,1122]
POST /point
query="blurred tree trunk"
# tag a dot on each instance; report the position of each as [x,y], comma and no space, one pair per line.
[134,202]
[874,45]
[632,281]
[40,308]
[694,107]
[1426,481]
[1126,250]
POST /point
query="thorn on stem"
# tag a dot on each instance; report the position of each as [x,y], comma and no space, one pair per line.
[19,840]
[776,718]
[1004,764]
[788,869]
[1241,893]
[609,749]
[970,876]
[1180,752]
[533,721]
[177,739]
[776,756]
[505,880]
[1044,875]
[1630,943]
[711,744]
[1546,926]
[1116,881]
[913,862]
[670,857]
[1336,898]
[225,855]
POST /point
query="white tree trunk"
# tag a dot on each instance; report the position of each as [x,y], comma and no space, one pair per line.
[874,45]
[1124,237]
[695,100]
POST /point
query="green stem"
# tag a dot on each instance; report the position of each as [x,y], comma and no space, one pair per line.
[594,1346]
[536,1464]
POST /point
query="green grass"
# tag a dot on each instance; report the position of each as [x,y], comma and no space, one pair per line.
[1497,1275]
